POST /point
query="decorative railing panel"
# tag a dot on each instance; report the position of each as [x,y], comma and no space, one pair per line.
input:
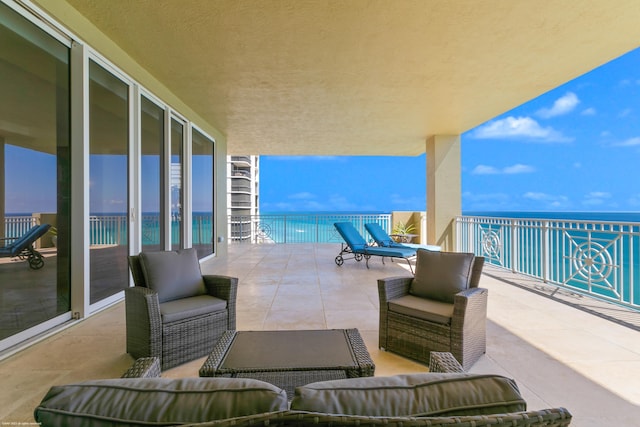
[601,259]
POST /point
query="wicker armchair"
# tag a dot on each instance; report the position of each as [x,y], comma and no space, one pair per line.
[174,312]
[416,319]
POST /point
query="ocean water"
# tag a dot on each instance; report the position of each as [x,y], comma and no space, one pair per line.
[292,227]
[298,227]
[312,227]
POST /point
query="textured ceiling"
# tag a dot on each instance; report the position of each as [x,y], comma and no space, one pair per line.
[358,77]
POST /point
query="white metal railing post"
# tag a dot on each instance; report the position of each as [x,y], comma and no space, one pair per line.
[515,246]
[471,232]
[546,253]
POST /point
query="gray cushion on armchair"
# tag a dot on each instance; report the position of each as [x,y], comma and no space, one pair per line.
[441,275]
[173,274]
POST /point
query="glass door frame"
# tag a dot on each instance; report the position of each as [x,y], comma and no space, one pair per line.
[82,290]
[8,345]
[185,199]
[214,232]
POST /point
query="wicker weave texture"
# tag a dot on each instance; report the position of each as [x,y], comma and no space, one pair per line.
[186,341]
[444,362]
[144,367]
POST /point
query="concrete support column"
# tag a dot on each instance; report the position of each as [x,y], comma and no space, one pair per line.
[444,189]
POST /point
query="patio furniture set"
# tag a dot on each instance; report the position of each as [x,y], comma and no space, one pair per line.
[251,378]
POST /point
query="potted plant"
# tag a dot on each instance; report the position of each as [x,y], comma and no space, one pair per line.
[403,231]
[54,236]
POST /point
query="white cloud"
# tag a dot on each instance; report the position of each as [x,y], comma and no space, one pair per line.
[588,112]
[599,195]
[536,196]
[631,142]
[563,105]
[484,170]
[509,170]
[518,168]
[518,128]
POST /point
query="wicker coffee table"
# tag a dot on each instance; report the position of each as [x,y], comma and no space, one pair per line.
[289,359]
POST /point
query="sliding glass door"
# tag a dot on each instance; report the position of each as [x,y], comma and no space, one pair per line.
[176,182]
[202,155]
[152,144]
[35,179]
[108,186]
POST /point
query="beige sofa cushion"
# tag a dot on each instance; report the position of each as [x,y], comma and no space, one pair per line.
[424,394]
[157,401]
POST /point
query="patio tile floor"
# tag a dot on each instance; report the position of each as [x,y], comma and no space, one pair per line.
[559,352]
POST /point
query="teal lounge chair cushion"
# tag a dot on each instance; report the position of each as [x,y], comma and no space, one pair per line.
[350,235]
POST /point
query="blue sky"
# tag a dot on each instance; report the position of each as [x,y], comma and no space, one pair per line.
[575,148]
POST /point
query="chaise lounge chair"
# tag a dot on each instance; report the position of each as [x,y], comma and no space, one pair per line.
[22,247]
[357,245]
[383,239]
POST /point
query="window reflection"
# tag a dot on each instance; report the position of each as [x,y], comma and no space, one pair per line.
[108,187]
[202,197]
[175,181]
[34,173]
[152,123]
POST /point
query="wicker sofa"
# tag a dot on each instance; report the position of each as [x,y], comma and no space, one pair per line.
[438,398]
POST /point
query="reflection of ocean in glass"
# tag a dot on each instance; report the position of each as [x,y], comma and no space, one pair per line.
[111,229]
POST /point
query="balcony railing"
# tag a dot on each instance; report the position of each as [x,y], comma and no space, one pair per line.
[16,226]
[245,159]
[601,259]
[598,258]
[297,228]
